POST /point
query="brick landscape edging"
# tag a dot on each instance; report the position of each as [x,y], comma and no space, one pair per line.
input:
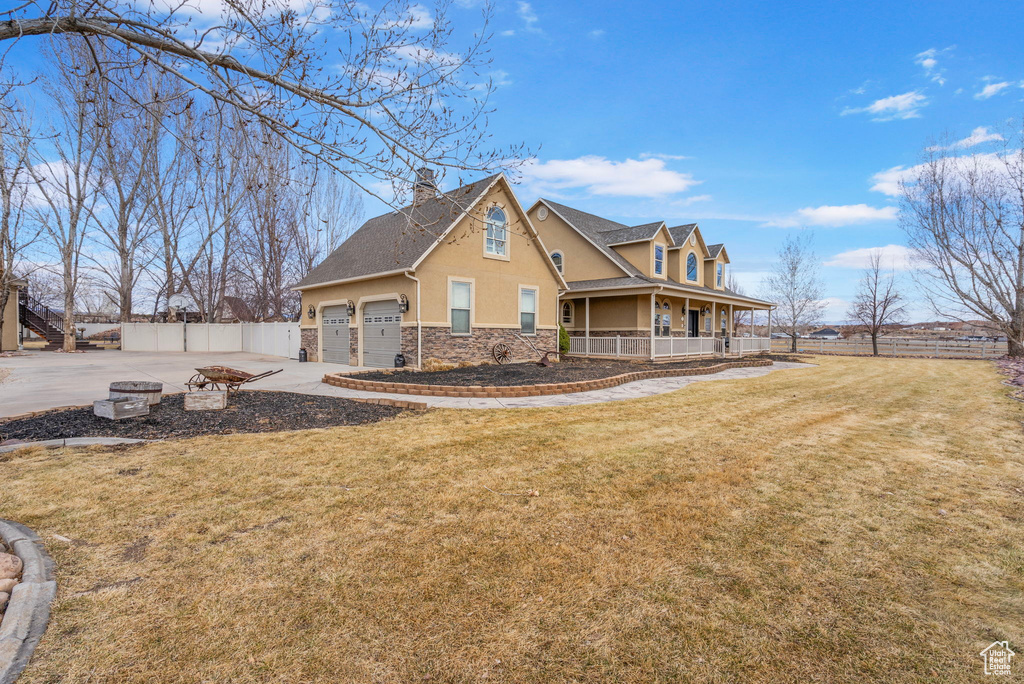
[354,383]
[28,611]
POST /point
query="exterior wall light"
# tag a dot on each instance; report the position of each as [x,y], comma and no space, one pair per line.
[403,304]
[311,312]
[351,308]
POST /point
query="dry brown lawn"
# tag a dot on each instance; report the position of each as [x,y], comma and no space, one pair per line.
[857,521]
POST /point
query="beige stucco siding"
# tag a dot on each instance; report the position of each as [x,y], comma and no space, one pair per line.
[10,331]
[582,260]
[495,282]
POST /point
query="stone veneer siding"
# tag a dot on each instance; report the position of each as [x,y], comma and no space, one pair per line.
[352,381]
[309,339]
[439,343]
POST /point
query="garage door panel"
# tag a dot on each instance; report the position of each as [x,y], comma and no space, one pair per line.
[382,334]
[335,334]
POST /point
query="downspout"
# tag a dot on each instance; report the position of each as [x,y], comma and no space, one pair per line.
[419,323]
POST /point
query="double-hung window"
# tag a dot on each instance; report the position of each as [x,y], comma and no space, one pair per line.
[659,259]
[528,311]
[691,267]
[720,270]
[497,232]
[461,305]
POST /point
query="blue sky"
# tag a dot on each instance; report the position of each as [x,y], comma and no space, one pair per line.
[752,118]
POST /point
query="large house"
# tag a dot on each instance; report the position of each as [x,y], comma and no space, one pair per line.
[448,277]
[653,282]
[456,273]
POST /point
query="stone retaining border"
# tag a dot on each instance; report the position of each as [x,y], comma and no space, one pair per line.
[28,611]
[498,392]
[414,405]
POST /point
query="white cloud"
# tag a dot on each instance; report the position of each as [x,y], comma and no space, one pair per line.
[991,90]
[601,176]
[414,17]
[888,181]
[895,257]
[835,216]
[928,60]
[836,309]
[509,32]
[667,157]
[596,33]
[905,106]
[529,17]
[978,136]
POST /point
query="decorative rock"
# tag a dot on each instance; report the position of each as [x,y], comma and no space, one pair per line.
[137,389]
[7,584]
[10,566]
[4,597]
[116,409]
[208,400]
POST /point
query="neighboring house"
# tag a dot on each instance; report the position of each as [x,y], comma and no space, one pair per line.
[647,281]
[825,334]
[12,324]
[447,277]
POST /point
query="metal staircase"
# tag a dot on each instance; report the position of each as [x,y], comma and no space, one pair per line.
[45,322]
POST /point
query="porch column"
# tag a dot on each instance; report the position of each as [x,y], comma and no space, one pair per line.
[586,329]
[769,328]
[686,318]
[732,322]
[653,304]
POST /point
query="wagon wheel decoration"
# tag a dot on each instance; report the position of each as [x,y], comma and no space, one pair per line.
[502,353]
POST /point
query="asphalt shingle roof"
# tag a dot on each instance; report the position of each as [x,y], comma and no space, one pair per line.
[396,240]
[645,281]
[714,250]
[680,234]
[645,231]
[596,230]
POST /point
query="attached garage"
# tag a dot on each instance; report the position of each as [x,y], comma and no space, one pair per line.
[382,333]
[335,334]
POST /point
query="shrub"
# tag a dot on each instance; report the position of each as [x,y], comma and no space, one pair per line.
[434,365]
[563,340]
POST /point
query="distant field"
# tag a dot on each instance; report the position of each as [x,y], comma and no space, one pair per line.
[898,347]
[856,521]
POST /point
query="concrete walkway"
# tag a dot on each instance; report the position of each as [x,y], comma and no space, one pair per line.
[632,390]
[44,380]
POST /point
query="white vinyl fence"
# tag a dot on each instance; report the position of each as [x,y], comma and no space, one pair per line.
[664,347]
[272,339]
[898,347]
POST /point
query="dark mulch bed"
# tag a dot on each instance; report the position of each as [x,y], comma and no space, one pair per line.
[247,411]
[529,373]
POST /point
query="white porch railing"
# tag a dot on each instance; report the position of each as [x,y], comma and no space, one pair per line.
[664,347]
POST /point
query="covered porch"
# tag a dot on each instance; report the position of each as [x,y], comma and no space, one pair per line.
[663,322]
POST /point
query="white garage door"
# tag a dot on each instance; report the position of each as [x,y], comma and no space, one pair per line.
[382,334]
[335,334]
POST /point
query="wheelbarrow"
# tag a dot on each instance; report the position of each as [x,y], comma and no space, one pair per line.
[222,377]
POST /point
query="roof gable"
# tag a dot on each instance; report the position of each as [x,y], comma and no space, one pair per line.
[397,240]
[625,236]
[592,227]
[715,250]
[681,236]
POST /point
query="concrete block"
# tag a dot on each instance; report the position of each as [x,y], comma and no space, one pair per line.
[115,409]
[206,400]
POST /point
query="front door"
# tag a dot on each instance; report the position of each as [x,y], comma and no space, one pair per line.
[694,323]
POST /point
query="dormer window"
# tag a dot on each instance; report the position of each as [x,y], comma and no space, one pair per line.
[691,267]
[497,232]
[718,278]
[557,259]
[659,259]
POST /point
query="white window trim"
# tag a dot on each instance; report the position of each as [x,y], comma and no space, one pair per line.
[696,261]
[572,314]
[561,254]
[654,260]
[507,256]
[536,309]
[472,304]
[719,275]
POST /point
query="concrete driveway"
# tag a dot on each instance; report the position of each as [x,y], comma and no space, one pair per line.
[45,380]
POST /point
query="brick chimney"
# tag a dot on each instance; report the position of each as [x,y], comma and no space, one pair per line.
[424,187]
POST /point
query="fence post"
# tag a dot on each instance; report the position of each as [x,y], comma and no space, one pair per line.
[618,346]
[821,346]
[936,347]
[983,349]
[892,344]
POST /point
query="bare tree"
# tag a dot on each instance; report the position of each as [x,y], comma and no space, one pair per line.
[964,219]
[331,212]
[878,303]
[795,286]
[15,233]
[372,93]
[69,186]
